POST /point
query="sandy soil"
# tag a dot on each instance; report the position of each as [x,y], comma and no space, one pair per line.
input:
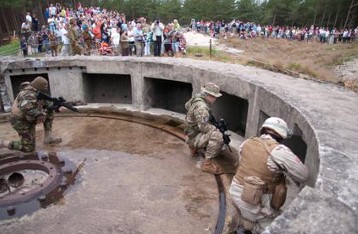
[346,72]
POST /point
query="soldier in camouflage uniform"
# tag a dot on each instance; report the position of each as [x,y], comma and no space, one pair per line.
[200,133]
[26,112]
[264,158]
[72,35]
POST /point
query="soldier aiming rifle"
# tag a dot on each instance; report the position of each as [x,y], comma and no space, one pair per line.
[31,107]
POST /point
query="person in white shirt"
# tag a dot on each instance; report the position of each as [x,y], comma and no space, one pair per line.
[52,10]
[157,29]
[29,18]
[115,38]
[65,51]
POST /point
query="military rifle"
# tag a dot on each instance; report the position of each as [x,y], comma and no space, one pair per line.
[57,102]
[222,126]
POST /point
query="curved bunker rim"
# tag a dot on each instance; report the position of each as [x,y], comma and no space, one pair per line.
[259,93]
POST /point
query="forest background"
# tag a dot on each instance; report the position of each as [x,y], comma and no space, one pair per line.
[301,13]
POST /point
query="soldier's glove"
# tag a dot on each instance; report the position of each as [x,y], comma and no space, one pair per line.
[227,133]
[40,118]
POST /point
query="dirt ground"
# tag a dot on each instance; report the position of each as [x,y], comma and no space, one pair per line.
[337,63]
[131,182]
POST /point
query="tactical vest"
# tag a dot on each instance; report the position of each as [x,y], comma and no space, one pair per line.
[253,161]
[16,111]
[191,128]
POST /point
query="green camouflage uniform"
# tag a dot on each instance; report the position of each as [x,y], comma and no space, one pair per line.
[25,111]
[200,133]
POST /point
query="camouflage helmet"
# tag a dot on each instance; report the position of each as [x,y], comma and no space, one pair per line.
[277,125]
[211,89]
[40,83]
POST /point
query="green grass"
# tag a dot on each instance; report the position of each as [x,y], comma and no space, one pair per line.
[10,49]
[200,52]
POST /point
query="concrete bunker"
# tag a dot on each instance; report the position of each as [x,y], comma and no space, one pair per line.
[107,88]
[234,110]
[166,94]
[16,81]
[255,95]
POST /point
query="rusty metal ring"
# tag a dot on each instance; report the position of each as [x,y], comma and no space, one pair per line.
[54,179]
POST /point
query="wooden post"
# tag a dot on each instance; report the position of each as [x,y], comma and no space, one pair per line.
[210,48]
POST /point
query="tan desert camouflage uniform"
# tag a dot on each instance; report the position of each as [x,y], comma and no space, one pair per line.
[200,133]
[267,164]
[25,112]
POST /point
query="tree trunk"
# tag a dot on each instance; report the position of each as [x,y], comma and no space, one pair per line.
[336,18]
[353,4]
[324,15]
[274,18]
[329,19]
[315,14]
[7,28]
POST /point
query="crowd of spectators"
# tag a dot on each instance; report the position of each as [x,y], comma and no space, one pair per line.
[96,30]
[87,30]
[246,30]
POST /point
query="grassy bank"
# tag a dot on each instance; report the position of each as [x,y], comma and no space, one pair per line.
[10,49]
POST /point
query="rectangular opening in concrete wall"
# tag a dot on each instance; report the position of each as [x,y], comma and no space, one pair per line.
[17,80]
[296,143]
[233,110]
[107,88]
[167,94]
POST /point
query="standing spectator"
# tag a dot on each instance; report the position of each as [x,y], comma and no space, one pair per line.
[115,37]
[23,46]
[65,51]
[29,18]
[157,29]
[35,23]
[138,38]
[167,35]
[53,10]
[45,40]
[193,25]
[34,43]
[125,43]
[53,44]
[345,35]
[52,24]
[148,42]
[132,48]
[26,29]
[258,188]
[47,14]
[39,38]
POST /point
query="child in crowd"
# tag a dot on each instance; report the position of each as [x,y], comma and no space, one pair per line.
[53,43]
[23,46]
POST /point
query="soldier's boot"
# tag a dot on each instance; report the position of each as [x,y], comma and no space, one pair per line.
[210,166]
[49,139]
[4,144]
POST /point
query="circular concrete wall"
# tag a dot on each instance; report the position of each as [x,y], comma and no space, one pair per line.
[324,116]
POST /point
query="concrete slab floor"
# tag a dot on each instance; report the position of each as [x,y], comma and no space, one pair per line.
[136,179]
